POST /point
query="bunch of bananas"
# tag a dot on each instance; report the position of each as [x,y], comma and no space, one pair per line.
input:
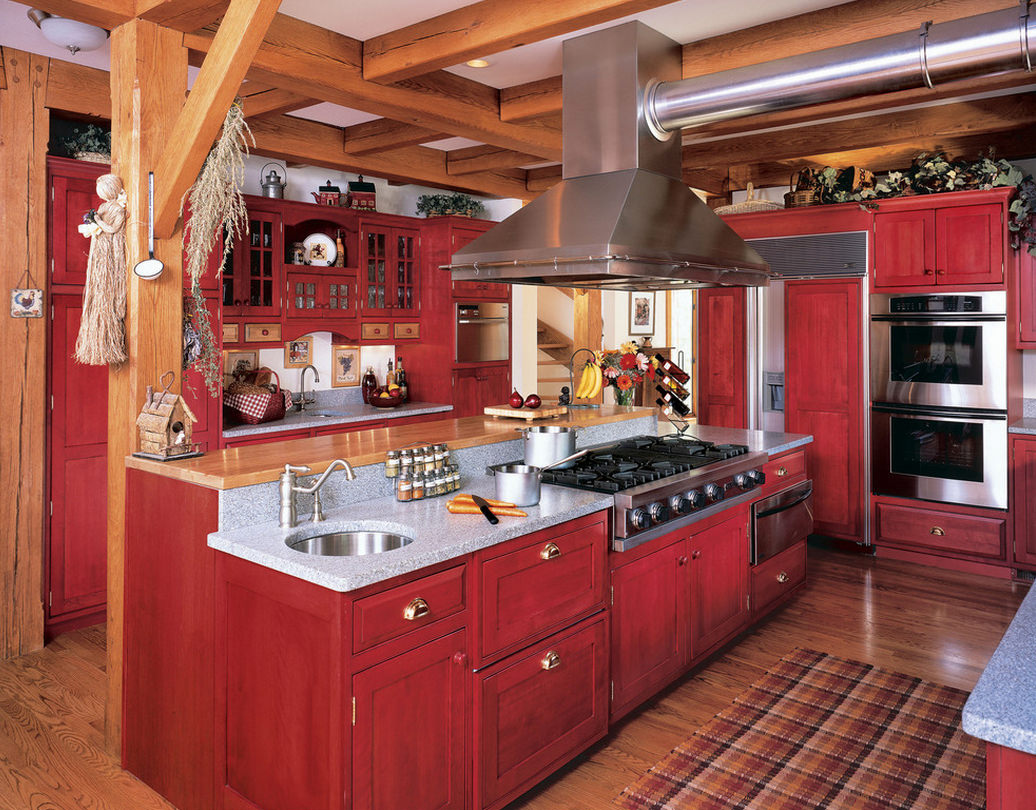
[590,382]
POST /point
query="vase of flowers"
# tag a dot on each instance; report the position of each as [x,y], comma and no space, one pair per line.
[624,369]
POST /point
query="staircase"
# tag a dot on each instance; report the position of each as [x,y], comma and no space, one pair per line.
[555,348]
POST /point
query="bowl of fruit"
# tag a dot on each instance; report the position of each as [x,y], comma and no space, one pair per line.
[387,396]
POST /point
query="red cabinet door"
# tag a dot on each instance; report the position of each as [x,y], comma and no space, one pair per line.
[78,475]
[476,387]
[722,359]
[389,271]
[461,237]
[719,582]
[1023,466]
[969,244]
[538,709]
[824,397]
[409,730]
[74,193]
[904,248]
[1026,298]
[650,642]
[254,289]
[319,296]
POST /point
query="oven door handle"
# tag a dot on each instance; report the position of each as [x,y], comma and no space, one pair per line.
[786,506]
[931,411]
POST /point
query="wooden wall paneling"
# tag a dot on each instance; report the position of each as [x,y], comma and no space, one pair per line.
[148,82]
[588,324]
[23,233]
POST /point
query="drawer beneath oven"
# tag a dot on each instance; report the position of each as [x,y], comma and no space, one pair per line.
[938,530]
[776,578]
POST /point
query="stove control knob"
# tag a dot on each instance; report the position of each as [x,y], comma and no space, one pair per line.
[713,492]
[758,477]
[659,512]
[680,504]
[744,481]
[697,498]
[640,519]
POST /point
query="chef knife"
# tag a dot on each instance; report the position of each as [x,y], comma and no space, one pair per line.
[483,504]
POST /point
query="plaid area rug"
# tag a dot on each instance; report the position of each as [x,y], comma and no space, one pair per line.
[821,732]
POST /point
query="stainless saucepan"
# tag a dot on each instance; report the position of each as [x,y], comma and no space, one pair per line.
[548,444]
[520,483]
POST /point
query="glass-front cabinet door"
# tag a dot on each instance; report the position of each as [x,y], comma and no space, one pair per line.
[254,288]
[388,271]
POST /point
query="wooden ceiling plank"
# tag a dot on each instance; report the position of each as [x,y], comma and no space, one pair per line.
[483,28]
[199,122]
[541,179]
[78,89]
[383,134]
[523,102]
[274,101]
[312,61]
[183,15]
[104,13]
[484,158]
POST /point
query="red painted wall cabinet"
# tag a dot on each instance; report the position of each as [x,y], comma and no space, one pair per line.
[1023,500]
[722,357]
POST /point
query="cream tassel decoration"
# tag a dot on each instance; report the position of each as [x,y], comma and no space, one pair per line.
[102,331]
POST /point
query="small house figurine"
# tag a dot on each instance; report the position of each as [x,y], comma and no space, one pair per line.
[328,195]
[165,424]
[360,195]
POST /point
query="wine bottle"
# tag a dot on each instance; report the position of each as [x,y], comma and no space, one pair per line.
[672,400]
[368,384]
[673,370]
[390,376]
[401,377]
[670,384]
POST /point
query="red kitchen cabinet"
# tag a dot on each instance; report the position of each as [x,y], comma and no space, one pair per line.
[904,246]
[650,618]
[254,288]
[719,582]
[824,397]
[537,709]
[476,387]
[389,270]
[722,357]
[321,296]
[1025,300]
[409,729]
[461,236]
[73,189]
[1023,499]
[1010,775]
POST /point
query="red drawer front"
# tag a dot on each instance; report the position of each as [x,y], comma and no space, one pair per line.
[538,709]
[540,583]
[930,530]
[405,608]
[782,471]
[777,577]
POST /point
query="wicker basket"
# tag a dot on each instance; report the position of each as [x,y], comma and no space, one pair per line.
[805,191]
[750,205]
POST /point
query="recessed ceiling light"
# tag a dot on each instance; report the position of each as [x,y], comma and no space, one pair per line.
[477,63]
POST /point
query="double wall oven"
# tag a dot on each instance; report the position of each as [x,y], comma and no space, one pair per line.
[939,391]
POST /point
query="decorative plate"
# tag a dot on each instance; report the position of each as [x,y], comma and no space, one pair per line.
[320,249]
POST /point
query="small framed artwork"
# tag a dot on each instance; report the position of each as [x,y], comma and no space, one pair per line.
[345,366]
[298,352]
[642,313]
[26,303]
[232,359]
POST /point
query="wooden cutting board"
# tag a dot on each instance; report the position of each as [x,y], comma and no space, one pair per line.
[542,412]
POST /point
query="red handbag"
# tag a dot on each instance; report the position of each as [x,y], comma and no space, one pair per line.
[257,405]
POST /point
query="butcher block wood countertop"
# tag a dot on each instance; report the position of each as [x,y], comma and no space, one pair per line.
[261,463]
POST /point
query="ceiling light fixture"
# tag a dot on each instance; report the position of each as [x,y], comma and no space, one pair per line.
[477,63]
[72,34]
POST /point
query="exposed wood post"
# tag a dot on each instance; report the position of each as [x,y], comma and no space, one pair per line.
[588,323]
[148,87]
[23,233]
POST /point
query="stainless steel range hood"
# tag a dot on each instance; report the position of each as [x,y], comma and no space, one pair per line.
[621,218]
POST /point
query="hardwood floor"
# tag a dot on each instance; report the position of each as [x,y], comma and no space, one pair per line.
[938,625]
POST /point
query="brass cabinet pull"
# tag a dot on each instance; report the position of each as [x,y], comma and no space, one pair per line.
[681,560]
[696,554]
[550,551]
[782,471]
[783,577]
[416,609]
[551,661]
[937,531]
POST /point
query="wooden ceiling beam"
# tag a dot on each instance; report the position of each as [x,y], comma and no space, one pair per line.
[78,89]
[524,102]
[481,29]
[484,158]
[183,15]
[104,13]
[383,134]
[198,124]
[274,101]
[543,178]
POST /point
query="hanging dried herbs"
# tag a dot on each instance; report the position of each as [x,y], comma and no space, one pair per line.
[217,209]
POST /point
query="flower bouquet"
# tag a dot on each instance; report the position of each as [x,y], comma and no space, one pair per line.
[624,368]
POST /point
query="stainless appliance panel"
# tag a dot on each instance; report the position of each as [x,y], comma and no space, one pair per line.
[948,456]
[780,521]
[482,332]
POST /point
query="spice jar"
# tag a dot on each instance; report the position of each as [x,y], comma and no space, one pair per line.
[392,464]
[417,489]
[406,461]
[440,456]
[404,487]
[428,454]
[445,455]
[454,477]
[440,482]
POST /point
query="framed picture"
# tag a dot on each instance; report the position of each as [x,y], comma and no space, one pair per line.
[642,313]
[345,366]
[26,303]
[299,352]
[232,357]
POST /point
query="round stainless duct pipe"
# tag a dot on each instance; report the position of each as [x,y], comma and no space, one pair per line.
[973,46]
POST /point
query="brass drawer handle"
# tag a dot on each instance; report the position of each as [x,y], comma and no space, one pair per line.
[782,471]
[937,531]
[783,577]
[551,661]
[416,609]
[550,551]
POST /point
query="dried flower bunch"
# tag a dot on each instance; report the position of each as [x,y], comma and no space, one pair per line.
[626,366]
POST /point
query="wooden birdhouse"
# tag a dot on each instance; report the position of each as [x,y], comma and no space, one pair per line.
[165,424]
[360,195]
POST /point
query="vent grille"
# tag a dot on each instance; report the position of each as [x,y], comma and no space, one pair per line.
[819,255]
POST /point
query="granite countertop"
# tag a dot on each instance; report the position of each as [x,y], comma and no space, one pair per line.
[1025,425]
[1002,707]
[768,442]
[348,413]
[438,535]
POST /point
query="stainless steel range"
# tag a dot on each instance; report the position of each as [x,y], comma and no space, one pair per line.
[661,483]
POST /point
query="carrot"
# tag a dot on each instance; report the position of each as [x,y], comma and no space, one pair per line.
[469,508]
[465,498]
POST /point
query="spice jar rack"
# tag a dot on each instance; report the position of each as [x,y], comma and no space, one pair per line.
[422,471]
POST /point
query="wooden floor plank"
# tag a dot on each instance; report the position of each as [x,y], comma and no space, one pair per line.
[938,625]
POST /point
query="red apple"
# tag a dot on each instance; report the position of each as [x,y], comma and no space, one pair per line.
[532,401]
[516,400]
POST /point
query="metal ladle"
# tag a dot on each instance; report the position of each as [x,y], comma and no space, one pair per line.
[150,267]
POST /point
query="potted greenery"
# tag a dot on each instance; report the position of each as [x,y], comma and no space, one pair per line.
[437,205]
[91,142]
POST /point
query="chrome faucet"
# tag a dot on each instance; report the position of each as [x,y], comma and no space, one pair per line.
[302,385]
[289,487]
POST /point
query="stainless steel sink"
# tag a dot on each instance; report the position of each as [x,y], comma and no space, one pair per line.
[326,414]
[349,544]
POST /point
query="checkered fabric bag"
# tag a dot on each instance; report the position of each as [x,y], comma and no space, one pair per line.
[256,408]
